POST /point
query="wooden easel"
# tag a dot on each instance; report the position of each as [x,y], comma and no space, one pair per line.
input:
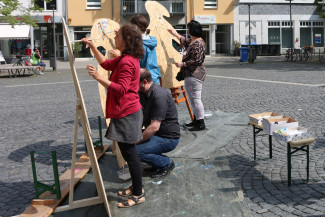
[81,114]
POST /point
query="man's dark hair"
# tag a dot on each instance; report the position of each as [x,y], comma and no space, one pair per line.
[141,22]
[133,41]
[195,28]
[145,75]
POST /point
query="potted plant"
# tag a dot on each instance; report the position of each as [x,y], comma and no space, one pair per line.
[76,47]
[237,48]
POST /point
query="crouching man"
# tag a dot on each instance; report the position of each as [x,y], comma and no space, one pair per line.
[160,119]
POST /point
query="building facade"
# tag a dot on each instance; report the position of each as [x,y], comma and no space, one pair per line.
[82,15]
[21,39]
[216,17]
[270,23]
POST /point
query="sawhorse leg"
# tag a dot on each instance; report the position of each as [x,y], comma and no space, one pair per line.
[289,155]
[270,145]
[256,130]
[175,92]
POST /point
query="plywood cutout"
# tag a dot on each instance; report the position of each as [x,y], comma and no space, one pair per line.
[165,51]
[103,29]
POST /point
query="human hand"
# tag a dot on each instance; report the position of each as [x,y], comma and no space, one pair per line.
[115,53]
[170,31]
[92,71]
[88,41]
[178,64]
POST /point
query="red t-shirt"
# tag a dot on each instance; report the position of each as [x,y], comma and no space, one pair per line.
[122,94]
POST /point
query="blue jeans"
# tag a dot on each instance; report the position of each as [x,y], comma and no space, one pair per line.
[150,152]
[42,65]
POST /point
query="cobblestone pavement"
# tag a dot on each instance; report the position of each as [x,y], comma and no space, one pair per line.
[37,113]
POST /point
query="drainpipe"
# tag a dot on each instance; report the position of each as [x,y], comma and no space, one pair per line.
[112,9]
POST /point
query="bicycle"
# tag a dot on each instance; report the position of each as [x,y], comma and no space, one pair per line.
[322,57]
[290,57]
[24,61]
[307,53]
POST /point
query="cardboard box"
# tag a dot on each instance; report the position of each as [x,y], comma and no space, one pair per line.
[292,134]
[257,118]
[273,124]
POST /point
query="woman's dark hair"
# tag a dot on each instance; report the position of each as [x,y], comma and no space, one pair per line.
[141,22]
[133,41]
[195,28]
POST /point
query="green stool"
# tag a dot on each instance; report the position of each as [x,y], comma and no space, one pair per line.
[40,188]
[97,142]
[298,145]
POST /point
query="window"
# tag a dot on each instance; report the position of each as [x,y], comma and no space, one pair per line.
[177,7]
[311,33]
[46,6]
[94,4]
[210,3]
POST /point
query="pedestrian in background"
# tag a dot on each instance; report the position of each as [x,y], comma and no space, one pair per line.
[194,71]
[122,103]
[37,60]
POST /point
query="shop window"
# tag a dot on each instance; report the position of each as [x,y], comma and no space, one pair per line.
[318,37]
[79,33]
[274,35]
[305,37]
[286,35]
[94,4]
[47,6]
[210,3]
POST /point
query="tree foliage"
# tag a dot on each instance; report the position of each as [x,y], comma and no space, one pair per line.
[15,13]
[320,8]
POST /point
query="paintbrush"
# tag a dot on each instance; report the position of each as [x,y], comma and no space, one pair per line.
[91,39]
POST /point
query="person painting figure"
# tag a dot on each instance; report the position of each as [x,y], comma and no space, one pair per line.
[37,60]
[122,103]
[162,132]
[149,60]
[194,71]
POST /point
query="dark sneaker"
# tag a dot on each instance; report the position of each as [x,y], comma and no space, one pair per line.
[161,173]
[150,169]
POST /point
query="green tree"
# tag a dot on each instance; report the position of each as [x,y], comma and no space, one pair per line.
[14,12]
[320,8]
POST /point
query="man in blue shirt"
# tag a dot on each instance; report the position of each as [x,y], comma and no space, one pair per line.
[162,132]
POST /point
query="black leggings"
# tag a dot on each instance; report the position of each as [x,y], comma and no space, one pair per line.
[131,156]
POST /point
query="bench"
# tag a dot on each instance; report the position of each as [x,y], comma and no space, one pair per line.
[15,70]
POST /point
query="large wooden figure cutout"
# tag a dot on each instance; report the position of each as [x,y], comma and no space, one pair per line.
[82,115]
[165,51]
[103,30]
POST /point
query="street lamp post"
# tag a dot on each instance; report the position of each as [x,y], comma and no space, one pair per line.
[291,31]
[54,42]
[249,34]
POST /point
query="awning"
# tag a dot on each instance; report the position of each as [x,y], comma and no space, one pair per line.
[18,32]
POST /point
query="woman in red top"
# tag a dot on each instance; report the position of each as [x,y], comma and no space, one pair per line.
[122,103]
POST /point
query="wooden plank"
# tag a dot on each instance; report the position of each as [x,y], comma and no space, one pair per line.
[83,165]
[302,142]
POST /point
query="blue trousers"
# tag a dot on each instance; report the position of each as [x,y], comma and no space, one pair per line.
[150,151]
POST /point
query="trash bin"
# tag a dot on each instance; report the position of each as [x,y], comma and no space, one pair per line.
[53,62]
[244,54]
[253,54]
